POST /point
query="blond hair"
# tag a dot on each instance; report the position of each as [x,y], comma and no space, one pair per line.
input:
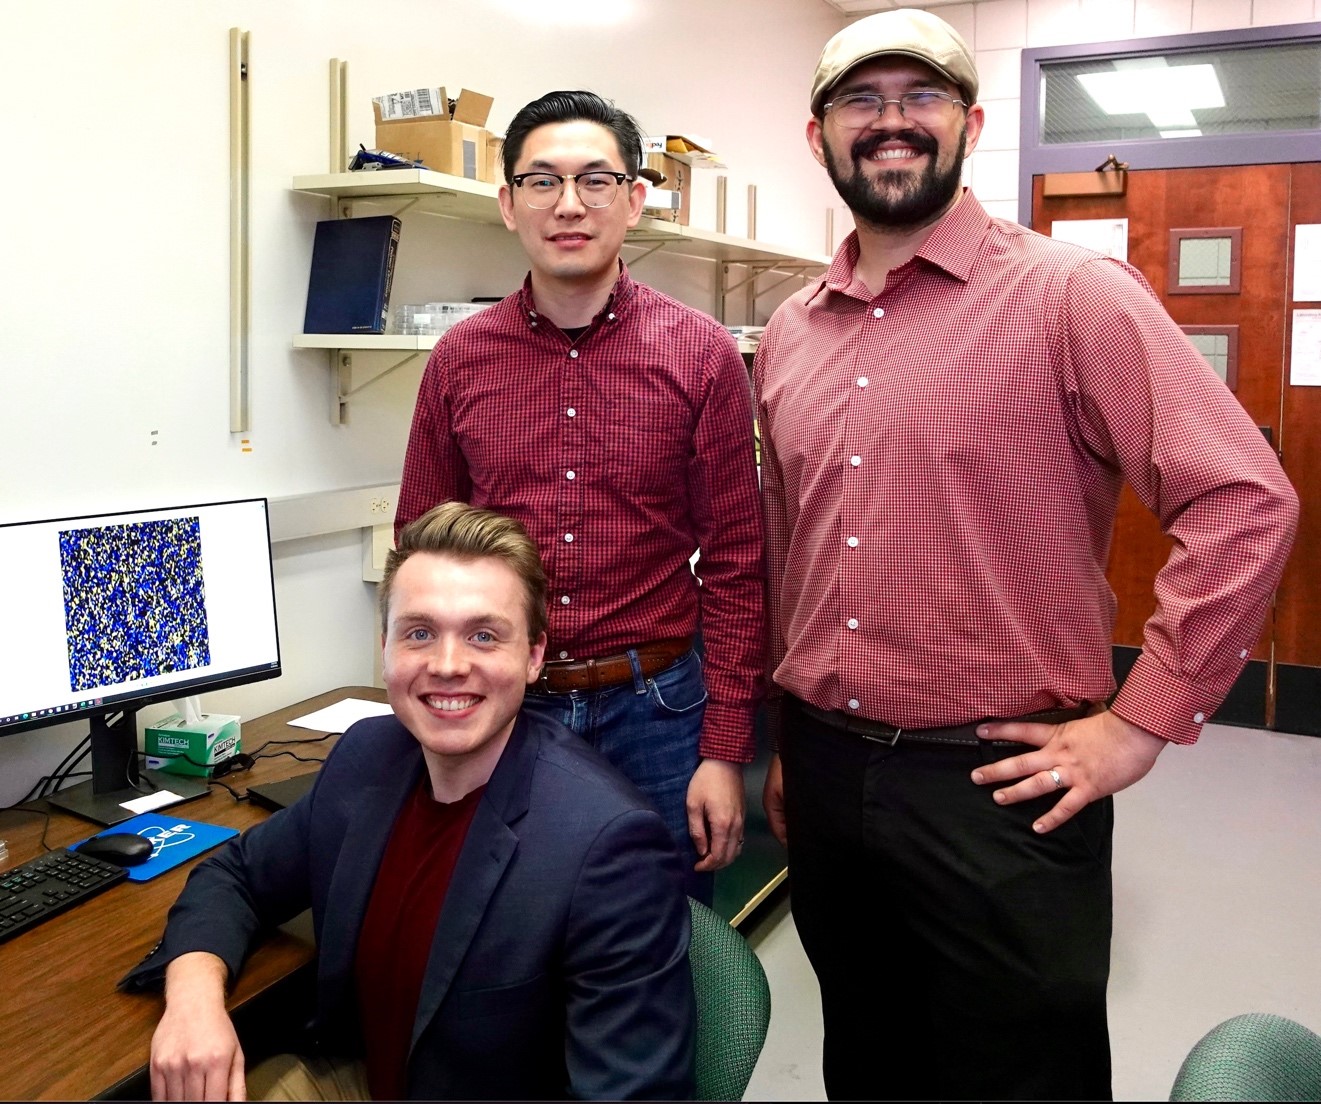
[466,532]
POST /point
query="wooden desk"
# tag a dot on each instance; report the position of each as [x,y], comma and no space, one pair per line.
[66,1032]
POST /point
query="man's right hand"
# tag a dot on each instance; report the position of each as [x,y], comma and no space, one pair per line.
[195,1053]
[772,800]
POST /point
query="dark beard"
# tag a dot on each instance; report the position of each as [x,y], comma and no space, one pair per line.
[920,203]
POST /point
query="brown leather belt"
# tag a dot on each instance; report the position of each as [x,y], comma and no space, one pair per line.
[560,676]
[961,735]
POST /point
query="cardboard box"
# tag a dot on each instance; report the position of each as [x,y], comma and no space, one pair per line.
[495,173]
[674,170]
[447,136]
[177,747]
[689,150]
[669,199]
[667,204]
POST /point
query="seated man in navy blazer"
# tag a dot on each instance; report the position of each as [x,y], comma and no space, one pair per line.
[498,913]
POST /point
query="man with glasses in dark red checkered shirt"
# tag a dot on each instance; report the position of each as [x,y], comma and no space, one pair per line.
[947,418]
[616,424]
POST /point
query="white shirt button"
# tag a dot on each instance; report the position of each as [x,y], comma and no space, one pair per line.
[570,475]
[1243,654]
[610,317]
[573,353]
[863,381]
[855,460]
[853,622]
[879,312]
[853,703]
[1198,718]
[564,655]
[564,601]
[571,412]
[568,538]
[853,542]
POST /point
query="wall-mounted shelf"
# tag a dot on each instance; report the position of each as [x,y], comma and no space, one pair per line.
[406,342]
[440,193]
[477,201]
[377,342]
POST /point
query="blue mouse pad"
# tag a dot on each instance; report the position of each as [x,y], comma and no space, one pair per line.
[173,841]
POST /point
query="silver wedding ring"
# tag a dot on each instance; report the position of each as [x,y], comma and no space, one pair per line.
[1055,777]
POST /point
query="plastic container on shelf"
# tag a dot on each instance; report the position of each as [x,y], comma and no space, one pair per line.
[430,318]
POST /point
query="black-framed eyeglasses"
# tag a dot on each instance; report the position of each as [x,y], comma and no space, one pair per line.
[541,190]
[859,109]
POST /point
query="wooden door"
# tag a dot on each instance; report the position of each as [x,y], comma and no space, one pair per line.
[1257,200]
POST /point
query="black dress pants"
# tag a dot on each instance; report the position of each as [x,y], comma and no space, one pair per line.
[960,955]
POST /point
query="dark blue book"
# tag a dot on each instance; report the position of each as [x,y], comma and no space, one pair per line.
[352,270]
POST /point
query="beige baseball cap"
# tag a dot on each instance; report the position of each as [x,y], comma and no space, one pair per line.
[907,31]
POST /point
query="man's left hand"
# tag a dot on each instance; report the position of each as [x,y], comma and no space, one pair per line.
[715,813]
[1085,759]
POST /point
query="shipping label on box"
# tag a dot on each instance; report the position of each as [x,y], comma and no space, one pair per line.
[468,107]
[413,102]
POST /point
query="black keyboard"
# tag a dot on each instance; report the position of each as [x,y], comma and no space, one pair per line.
[44,887]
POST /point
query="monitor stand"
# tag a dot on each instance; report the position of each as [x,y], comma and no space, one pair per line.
[116,777]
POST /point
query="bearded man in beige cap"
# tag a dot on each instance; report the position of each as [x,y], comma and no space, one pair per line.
[947,417]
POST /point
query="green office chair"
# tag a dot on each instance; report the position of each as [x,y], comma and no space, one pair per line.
[1255,1056]
[733,1005]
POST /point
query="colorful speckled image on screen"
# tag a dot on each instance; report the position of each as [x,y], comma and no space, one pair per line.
[134,601]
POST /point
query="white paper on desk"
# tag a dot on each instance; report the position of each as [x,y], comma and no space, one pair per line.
[338,717]
[1305,355]
[150,801]
[1307,263]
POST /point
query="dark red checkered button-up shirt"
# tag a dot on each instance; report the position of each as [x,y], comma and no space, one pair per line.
[941,464]
[622,453]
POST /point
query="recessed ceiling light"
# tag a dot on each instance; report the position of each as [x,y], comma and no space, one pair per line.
[1167,94]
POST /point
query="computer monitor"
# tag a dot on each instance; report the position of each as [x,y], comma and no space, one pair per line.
[104,614]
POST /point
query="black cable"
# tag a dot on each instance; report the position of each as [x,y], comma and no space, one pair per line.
[232,793]
[299,758]
[71,760]
[56,781]
[304,739]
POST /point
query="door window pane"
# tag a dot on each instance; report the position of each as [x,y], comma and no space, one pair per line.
[1206,261]
[1219,346]
[1243,90]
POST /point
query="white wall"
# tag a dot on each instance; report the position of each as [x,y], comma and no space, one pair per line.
[114,324]
[999,30]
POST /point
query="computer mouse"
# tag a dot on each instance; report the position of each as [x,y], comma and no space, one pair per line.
[120,848]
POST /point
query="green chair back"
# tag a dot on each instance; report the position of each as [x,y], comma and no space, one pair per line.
[733,1005]
[1256,1056]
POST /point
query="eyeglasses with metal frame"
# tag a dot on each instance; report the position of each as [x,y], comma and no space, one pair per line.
[860,109]
[542,190]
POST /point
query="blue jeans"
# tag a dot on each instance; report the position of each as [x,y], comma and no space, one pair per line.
[649,730]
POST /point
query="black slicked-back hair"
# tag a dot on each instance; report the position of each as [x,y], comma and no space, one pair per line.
[571,107]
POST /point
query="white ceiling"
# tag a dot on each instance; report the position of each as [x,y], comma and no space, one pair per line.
[863,7]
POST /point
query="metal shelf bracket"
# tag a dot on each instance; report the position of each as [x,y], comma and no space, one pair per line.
[341,361]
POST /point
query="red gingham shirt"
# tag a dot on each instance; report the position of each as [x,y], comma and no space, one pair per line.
[622,453]
[941,465]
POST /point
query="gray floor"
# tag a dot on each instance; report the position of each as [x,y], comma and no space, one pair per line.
[1217,912]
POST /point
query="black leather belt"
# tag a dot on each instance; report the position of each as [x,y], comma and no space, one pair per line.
[561,676]
[960,735]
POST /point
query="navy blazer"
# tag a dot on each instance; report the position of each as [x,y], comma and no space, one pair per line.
[559,965]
